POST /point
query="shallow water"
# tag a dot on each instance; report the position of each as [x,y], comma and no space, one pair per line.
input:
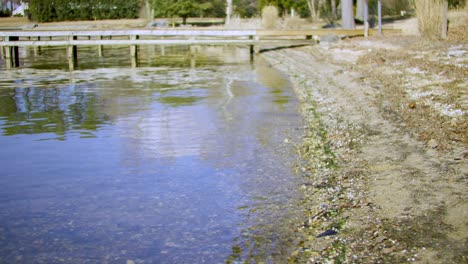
[176,161]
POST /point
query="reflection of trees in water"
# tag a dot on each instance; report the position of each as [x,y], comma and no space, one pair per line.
[34,110]
[184,56]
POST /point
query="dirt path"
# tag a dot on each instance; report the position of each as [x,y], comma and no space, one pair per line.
[405,194]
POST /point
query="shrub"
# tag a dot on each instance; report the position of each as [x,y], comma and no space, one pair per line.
[60,10]
[269,17]
[430,15]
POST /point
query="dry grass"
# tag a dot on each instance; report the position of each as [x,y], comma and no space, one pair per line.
[429,13]
[241,23]
[269,17]
[292,22]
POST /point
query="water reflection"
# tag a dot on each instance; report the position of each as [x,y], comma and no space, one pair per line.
[31,110]
[155,164]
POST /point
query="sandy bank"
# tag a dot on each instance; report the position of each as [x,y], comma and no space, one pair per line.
[393,114]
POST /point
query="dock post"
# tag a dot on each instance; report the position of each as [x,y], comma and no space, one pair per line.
[134,51]
[100,48]
[257,47]
[163,49]
[37,49]
[12,54]
[251,46]
[8,57]
[193,62]
[72,53]
[2,50]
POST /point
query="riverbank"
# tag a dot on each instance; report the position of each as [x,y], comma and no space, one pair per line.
[385,155]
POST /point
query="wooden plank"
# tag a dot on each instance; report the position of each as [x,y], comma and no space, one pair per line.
[191,32]
[141,32]
[150,42]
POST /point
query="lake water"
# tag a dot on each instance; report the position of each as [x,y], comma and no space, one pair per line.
[180,160]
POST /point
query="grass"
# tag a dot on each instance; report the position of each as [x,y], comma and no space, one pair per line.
[430,17]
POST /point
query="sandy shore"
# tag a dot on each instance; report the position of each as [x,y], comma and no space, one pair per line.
[388,170]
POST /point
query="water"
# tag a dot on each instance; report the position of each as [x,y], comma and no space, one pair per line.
[181,160]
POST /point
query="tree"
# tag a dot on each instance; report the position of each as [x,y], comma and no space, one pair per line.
[186,8]
[59,10]
[284,6]
[245,8]
[313,10]
[347,15]
[360,10]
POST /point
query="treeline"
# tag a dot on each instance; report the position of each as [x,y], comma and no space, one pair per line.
[61,10]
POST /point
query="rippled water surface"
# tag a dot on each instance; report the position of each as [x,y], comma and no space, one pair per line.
[179,160]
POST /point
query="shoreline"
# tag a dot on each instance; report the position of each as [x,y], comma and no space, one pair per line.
[391,195]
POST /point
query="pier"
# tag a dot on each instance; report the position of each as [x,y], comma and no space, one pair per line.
[12,40]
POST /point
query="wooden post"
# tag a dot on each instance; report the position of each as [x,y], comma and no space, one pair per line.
[163,49]
[8,57]
[134,52]
[257,47]
[2,50]
[16,62]
[12,54]
[37,49]
[133,47]
[192,56]
[254,49]
[100,48]
[72,53]
[444,20]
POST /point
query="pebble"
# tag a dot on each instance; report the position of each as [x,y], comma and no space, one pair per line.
[453,122]
[380,239]
[388,250]
[433,143]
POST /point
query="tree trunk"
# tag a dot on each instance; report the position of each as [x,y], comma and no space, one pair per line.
[360,10]
[347,16]
[313,11]
[319,5]
[148,11]
[228,11]
[333,9]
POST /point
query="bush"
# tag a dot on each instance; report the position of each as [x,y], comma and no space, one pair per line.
[61,10]
[269,17]
[429,14]
[394,7]
[5,13]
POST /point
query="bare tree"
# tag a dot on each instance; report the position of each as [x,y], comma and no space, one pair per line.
[228,11]
[313,10]
[333,9]
[360,10]
[347,15]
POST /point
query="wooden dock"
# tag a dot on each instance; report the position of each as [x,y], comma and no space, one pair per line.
[11,40]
